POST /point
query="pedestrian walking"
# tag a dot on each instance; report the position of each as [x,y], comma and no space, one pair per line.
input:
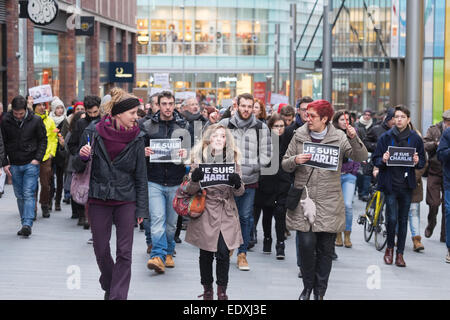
[252,138]
[25,141]
[117,188]
[217,230]
[349,172]
[443,153]
[317,236]
[435,180]
[364,176]
[398,182]
[46,172]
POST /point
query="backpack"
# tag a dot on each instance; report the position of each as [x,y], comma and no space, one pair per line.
[185,204]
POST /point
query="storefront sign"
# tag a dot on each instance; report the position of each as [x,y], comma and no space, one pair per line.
[165,150]
[40,12]
[401,157]
[41,94]
[228,79]
[216,174]
[121,72]
[259,91]
[87,25]
[324,156]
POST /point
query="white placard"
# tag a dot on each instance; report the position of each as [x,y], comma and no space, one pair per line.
[41,94]
[278,98]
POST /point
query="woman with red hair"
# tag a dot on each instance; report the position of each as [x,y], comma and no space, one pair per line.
[325,215]
[259,110]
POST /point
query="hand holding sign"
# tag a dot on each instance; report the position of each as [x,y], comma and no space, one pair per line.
[386,156]
[416,158]
[235,180]
[302,158]
[197,175]
[148,151]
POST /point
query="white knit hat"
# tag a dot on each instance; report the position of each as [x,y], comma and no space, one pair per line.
[57,102]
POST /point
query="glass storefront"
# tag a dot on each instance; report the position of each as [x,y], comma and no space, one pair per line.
[46,59]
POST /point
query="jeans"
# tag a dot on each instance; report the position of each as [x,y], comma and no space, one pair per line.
[447,218]
[245,208]
[397,208]
[222,264]
[348,183]
[414,219]
[163,219]
[363,183]
[25,181]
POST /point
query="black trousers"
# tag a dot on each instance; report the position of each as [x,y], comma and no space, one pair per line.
[316,249]
[222,264]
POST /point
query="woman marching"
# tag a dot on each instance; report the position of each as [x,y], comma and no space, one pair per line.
[117,189]
[217,230]
[317,234]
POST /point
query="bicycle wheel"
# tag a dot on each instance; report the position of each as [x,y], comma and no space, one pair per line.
[380,229]
[368,219]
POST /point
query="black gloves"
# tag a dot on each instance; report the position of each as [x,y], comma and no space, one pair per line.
[235,180]
[197,175]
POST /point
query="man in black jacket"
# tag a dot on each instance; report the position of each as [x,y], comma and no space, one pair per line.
[163,181]
[25,140]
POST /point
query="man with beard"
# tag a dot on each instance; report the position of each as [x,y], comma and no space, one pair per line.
[253,138]
[192,115]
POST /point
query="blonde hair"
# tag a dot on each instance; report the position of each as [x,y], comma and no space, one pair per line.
[201,152]
[117,95]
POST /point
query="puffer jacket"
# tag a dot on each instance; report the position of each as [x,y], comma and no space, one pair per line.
[24,141]
[324,187]
[246,141]
[122,179]
[52,136]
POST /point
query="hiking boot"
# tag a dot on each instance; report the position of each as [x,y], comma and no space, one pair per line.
[417,244]
[267,245]
[242,262]
[347,242]
[338,242]
[156,264]
[222,293]
[280,250]
[169,261]
[208,292]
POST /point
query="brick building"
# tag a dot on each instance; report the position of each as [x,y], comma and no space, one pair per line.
[73,65]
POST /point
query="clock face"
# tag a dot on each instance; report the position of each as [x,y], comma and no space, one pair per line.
[42,12]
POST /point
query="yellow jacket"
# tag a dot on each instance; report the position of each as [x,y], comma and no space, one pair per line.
[52,135]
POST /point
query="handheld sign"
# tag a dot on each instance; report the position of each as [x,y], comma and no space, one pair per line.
[401,157]
[324,156]
[216,174]
[165,150]
[41,94]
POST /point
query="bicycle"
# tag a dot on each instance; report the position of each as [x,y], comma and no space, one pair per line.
[374,219]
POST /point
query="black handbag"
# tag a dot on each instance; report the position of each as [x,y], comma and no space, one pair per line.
[294,195]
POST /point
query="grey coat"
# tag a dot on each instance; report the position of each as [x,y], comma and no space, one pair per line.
[324,187]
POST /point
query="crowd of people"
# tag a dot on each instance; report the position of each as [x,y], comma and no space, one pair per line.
[45,145]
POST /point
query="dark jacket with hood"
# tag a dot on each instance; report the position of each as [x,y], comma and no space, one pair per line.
[120,179]
[167,174]
[25,140]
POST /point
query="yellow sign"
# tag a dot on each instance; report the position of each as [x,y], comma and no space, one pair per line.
[120,74]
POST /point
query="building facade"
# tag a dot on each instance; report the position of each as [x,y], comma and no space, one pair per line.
[74,65]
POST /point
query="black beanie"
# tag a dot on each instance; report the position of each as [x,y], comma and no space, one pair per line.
[124,105]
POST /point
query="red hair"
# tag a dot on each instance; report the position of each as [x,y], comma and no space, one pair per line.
[323,109]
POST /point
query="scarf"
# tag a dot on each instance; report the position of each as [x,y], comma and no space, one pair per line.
[115,140]
[240,123]
[366,124]
[319,135]
[401,137]
[192,117]
[57,119]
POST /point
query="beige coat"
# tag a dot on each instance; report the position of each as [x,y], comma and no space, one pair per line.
[220,215]
[324,187]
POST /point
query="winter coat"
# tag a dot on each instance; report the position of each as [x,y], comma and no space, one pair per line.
[122,179]
[373,134]
[324,187]
[430,142]
[166,174]
[23,142]
[443,153]
[220,215]
[417,195]
[246,141]
[74,143]
[52,137]
[2,150]
[385,175]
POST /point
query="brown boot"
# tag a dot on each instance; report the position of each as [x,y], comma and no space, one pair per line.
[399,262]
[208,292]
[222,293]
[347,242]
[156,264]
[417,244]
[389,255]
[169,261]
[338,242]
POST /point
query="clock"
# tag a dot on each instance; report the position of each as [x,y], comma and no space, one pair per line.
[42,12]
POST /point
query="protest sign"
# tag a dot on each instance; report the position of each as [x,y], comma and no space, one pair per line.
[41,94]
[401,157]
[162,79]
[165,150]
[216,174]
[324,156]
[278,98]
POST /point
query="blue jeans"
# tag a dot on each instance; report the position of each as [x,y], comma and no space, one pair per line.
[363,182]
[163,219]
[25,181]
[245,208]
[348,183]
[397,208]
[447,218]
[414,219]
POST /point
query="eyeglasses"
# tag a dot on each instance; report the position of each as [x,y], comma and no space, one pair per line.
[309,115]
